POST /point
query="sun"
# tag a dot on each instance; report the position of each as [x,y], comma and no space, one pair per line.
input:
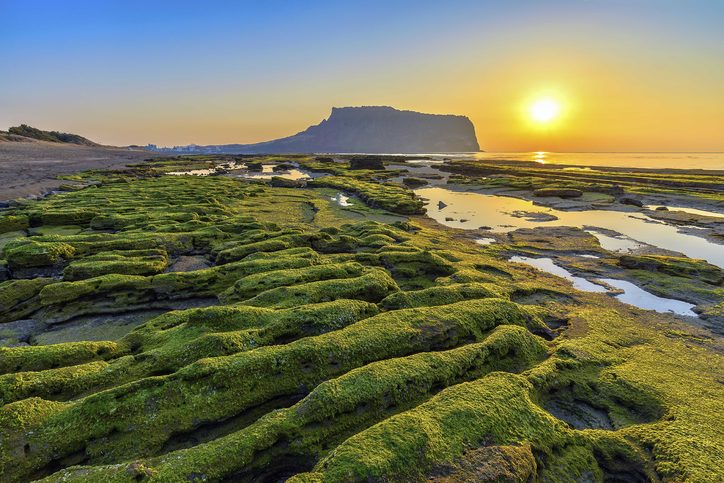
[545,110]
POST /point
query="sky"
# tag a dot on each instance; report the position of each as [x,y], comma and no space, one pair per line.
[627,75]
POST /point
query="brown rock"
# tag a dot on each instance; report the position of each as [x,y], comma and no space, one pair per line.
[559,192]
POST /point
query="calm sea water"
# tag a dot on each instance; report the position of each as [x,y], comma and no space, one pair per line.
[711,161]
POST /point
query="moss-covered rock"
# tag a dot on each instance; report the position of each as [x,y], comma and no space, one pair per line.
[333,344]
[389,197]
[9,223]
[30,253]
[678,267]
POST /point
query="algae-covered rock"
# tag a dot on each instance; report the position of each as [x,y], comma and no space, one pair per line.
[414,182]
[389,197]
[678,267]
[31,253]
[440,295]
[278,337]
[559,192]
[9,223]
[126,262]
[20,298]
[279,182]
[366,163]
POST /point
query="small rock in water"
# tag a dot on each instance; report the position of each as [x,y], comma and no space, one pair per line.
[279,182]
[559,192]
[537,216]
[661,208]
[366,163]
[629,200]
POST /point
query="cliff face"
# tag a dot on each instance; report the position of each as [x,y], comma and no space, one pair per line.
[371,130]
[379,130]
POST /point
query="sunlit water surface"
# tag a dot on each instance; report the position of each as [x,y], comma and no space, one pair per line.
[547,265]
[639,297]
[631,293]
[710,161]
[484,210]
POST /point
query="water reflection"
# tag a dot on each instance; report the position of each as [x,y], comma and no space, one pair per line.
[493,211]
[638,297]
[547,265]
[268,172]
[485,241]
[693,211]
[341,199]
[631,294]
[220,168]
[613,243]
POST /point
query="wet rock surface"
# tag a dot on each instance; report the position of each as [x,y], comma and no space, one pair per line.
[189,263]
[219,328]
[558,192]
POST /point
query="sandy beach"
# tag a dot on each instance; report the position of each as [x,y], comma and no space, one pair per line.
[30,169]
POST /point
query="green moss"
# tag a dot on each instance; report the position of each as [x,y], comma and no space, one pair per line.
[222,385]
[307,377]
[13,292]
[389,197]
[67,291]
[131,262]
[372,287]
[10,223]
[252,285]
[676,266]
[65,216]
[38,358]
[283,242]
[354,401]
[440,295]
[459,418]
[18,298]
[31,253]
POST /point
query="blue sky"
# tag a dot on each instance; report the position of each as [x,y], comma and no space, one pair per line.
[212,72]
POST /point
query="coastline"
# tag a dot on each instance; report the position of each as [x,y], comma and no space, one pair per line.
[30,169]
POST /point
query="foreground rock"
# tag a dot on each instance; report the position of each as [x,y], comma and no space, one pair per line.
[559,192]
[323,344]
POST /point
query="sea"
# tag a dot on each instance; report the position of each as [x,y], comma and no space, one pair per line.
[688,161]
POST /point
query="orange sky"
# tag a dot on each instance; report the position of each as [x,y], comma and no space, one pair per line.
[630,76]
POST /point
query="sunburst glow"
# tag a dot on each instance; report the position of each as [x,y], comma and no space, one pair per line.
[545,110]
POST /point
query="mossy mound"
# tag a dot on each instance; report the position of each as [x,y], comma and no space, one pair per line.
[327,344]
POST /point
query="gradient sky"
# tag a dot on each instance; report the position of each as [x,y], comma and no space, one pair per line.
[632,75]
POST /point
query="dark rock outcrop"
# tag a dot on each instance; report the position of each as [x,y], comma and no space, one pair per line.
[630,200]
[372,129]
[559,192]
[279,182]
[366,163]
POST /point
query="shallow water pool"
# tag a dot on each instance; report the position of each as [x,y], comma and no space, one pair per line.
[547,265]
[478,209]
[635,295]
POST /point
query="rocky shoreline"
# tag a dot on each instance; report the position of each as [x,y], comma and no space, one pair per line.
[166,326]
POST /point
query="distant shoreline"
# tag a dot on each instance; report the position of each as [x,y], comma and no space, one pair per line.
[30,169]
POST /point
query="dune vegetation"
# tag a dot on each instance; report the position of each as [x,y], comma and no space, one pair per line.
[163,327]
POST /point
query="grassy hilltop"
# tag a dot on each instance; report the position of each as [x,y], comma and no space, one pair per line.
[286,336]
[28,133]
